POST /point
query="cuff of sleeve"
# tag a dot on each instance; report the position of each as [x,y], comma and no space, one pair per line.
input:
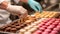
[1,1]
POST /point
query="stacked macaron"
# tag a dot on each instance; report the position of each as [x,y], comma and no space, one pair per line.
[51,26]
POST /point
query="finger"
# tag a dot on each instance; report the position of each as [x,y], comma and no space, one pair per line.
[39,7]
[33,7]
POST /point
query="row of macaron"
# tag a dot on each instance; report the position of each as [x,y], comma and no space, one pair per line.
[31,28]
[51,26]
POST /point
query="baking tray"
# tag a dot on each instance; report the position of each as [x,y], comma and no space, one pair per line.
[4,32]
[6,26]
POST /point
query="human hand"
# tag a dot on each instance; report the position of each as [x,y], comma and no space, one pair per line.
[35,5]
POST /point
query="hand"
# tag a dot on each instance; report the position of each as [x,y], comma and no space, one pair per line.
[16,10]
[35,5]
[23,17]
